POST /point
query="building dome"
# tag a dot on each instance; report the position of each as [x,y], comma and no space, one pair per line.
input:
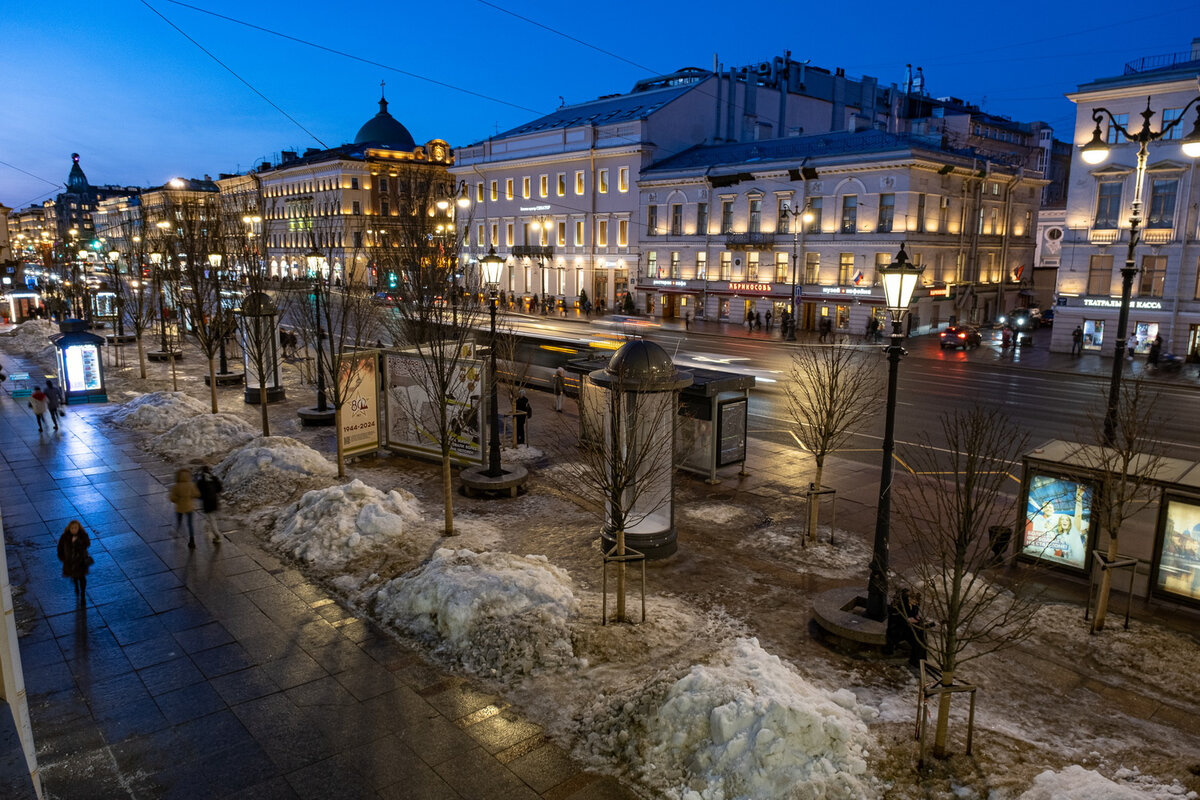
[384,129]
[641,366]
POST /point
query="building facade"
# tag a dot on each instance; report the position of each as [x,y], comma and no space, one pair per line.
[724,236]
[1166,290]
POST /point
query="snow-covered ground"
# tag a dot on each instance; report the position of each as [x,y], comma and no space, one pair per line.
[693,704]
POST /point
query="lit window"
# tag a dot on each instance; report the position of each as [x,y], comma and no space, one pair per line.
[622,232]
[602,181]
[508,234]
[562,234]
[623,179]
[479,192]
[544,186]
[508,188]
[579,182]
[495,192]
[579,233]
[601,233]
[562,184]
[525,184]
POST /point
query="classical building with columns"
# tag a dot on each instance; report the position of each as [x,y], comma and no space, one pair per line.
[1166,290]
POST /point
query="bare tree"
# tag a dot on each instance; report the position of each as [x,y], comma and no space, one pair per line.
[514,373]
[1126,469]
[127,233]
[432,315]
[958,493]
[831,393]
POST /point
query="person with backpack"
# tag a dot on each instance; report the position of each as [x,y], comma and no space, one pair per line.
[524,412]
[183,497]
[560,388]
[73,553]
[38,401]
[54,398]
[209,486]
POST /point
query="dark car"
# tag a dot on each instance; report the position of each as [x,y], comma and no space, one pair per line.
[1022,319]
[963,336]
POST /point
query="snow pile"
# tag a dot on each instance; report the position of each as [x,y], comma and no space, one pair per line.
[32,338]
[712,513]
[1077,783]
[202,436]
[270,469]
[492,612]
[157,412]
[748,726]
[520,455]
[331,527]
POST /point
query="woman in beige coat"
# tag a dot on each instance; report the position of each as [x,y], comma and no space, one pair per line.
[183,497]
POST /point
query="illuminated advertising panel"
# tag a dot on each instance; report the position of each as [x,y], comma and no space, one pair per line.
[82,363]
[1058,514]
[359,419]
[1178,570]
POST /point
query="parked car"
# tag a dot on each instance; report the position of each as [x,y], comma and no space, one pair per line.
[963,336]
[1022,319]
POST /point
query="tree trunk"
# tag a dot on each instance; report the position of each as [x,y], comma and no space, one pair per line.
[1105,588]
[141,356]
[814,504]
[621,575]
[337,431]
[943,717]
[212,382]
[447,494]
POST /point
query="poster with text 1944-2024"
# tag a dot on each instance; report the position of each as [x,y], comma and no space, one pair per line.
[359,428]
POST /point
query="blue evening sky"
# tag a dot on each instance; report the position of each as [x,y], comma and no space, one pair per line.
[141,103]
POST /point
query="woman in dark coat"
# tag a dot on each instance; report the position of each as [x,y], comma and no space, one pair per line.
[73,553]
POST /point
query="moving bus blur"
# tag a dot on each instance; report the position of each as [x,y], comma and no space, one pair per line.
[531,359]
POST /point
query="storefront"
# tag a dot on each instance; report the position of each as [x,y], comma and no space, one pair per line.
[1097,317]
[848,308]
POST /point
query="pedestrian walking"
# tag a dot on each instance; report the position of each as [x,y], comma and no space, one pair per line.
[757,320]
[183,497]
[560,388]
[524,412]
[1077,341]
[73,553]
[54,398]
[749,321]
[1155,353]
[38,402]
[209,487]
[825,327]
[687,320]
[1130,346]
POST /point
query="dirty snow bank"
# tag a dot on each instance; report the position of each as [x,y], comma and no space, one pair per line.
[494,613]
[1077,783]
[202,436]
[32,339]
[745,726]
[331,527]
[269,470]
[157,412]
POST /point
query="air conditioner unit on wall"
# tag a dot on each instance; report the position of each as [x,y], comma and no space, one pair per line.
[945,202]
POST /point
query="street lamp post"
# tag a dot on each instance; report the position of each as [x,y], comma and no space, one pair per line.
[899,281]
[313,261]
[543,225]
[1094,152]
[492,265]
[799,220]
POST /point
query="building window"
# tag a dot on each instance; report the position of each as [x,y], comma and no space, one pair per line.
[1162,203]
[850,213]
[782,222]
[652,220]
[676,219]
[814,206]
[579,182]
[1154,275]
[579,233]
[652,264]
[508,189]
[702,265]
[781,267]
[561,184]
[479,235]
[602,181]
[494,191]
[495,234]
[1100,269]
[356,207]
[384,208]
[601,233]
[562,234]
[887,212]
[845,269]
[726,216]
[755,215]
[702,218]
[525,186]
[543,186]
[479,192]
[508,234]
[1108,205]
[726,266]
[354,183]
[383,185]
[812,267]
[622,233]
[920,213]
[1114,136]
[623,179]
[675,264]
[752,265]
[1169,116]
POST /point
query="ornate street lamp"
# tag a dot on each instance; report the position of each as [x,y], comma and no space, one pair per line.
[1094,152]
[899,280]
[492,265]
[312,260]
[805,217]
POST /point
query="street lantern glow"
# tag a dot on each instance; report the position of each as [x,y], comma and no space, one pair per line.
[899,281]
[1191,142]
[214,259]
[313,260]
[1095,151]
[491,264]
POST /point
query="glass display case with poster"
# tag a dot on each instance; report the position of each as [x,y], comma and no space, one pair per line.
[1177,562]
[1057,527]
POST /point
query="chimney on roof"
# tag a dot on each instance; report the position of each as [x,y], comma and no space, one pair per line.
[264,166]
[287,156]
[208,177]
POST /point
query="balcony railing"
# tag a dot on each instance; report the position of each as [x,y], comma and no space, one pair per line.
[1158,235]
[1103,235]
[532,251]
[742,241]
